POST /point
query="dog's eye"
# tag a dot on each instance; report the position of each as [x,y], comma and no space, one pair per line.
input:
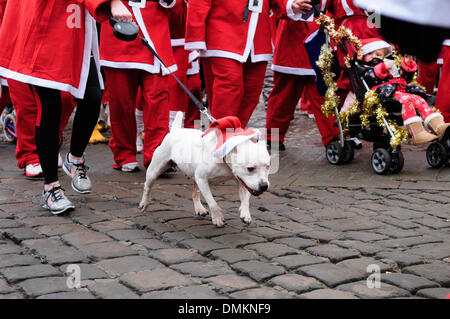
[251,169]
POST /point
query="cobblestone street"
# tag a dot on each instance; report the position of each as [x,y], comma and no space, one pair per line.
[313,235]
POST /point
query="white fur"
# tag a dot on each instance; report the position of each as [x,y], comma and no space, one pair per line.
[194,156]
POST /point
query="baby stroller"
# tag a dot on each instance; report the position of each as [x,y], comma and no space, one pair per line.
[8,120]
[381,127]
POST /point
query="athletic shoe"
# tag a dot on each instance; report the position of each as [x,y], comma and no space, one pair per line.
[33,170]
[78,172]
[55,200]
[130,167]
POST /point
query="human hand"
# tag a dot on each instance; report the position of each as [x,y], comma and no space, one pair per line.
[408,58]
[120,12]
[301,6]
[389,66]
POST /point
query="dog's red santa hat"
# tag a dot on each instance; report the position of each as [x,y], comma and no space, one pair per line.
[373,44]
[229,134]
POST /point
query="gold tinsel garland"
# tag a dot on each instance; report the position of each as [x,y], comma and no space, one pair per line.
[372,104]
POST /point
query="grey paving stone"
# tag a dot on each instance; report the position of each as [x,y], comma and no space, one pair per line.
[156,279]
[68,295]
[98,251]
[16,274]
[87,217]
[5,288]
[292,227]
[85,238]
[258,293]
[431,251]
[362,265]
[231,283]
[203,246]
[333,252]
[19,234]
[108,289]
[258,270]
[400,258]
[44,286]
[153,226]
[123,265]
[9,249]
[322,235]
[328,294]
[272,250]
[110,225]
[172,256]
[59,230]
[397,232]
[296,283]
[87,271]
[434,293]
[12,296]
[208,230]
[296,242]
[129,234]
[361,290]
[17,260]
[268,233]
[54,251]
[192,292]
[176,236]
[365,249]
[330,274]
[238,240]
[350,224]
[40,221]
[9,223]
[364,236]
[152,244]
[436,271]
[408,242]
[234,255]
[296,261]
[408,282]
[202,269]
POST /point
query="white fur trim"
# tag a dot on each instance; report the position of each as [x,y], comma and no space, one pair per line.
[411,120]
[195,69]
[199,45]
[376,45]
[432,116]
[296,16]
[3,82]
[167,5]
[194,55]
[295,71]
[440,61]
[177,42]
[347,8]
[447,43]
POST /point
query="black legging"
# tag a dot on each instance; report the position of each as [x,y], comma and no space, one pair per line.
[86,116]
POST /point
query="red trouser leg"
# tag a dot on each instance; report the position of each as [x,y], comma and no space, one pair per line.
[428,73]
[326,125]
[178,99]
[286,92]
[224,86]
[155,91]
[194,84]
[443,95]
[4,98]
[254,74]
[123,86]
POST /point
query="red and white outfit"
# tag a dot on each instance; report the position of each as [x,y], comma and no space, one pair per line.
[294,78]
[234,52]
[352,17]
[130,65]
[188,72]
[443,95]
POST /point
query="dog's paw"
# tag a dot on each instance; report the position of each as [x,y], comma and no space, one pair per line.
[202,212]
[219,222]
[143,206]
[245,216]
[246,220]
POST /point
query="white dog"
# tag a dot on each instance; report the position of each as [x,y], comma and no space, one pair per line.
[248,163]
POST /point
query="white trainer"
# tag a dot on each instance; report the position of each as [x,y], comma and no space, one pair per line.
[33,170]
[130,167]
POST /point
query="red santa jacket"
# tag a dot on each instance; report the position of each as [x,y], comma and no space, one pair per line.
[49,43]
[217,28]
[3,81]
[153,22]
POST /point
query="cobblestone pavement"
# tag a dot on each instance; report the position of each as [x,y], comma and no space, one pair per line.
[313,235]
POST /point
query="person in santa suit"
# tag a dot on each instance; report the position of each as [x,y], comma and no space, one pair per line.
[30,32]
[443,94]
[428,74]
[234,41]
[188,71]
[130,65]
[351,16]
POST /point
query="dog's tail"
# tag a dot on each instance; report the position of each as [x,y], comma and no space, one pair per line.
[178,121]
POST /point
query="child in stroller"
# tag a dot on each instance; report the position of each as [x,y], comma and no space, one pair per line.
[8,123]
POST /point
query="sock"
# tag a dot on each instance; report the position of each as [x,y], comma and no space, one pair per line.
[73,160]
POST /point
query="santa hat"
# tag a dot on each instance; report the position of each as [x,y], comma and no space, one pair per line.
[230,134]
[373,44]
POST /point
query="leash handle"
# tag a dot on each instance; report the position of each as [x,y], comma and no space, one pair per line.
[200,106]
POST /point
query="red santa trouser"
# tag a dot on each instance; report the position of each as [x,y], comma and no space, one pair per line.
[283,99]
[123,87]
[194,84]
[443,95]
[411,103]
[233,88]
[428,73]
[4,99]
[178,99]
[26,117]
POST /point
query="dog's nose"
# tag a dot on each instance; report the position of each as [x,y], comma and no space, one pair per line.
[263,186]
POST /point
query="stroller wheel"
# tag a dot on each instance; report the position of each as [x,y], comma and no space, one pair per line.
[381,161]
[348,152]
[9,128]
[436,155]
[398,161]
[334,153]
